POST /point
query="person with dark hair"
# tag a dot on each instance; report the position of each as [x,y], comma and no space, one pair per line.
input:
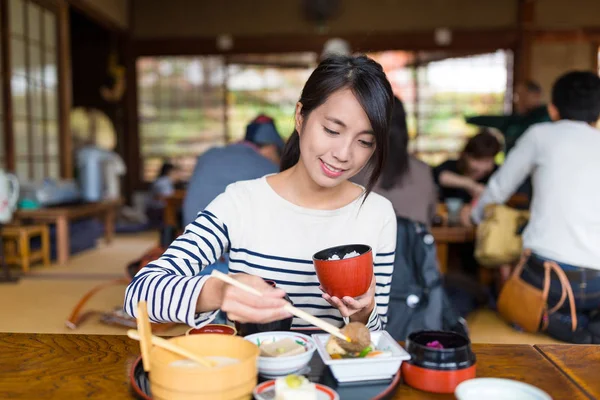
[405,180]
[465,178]
[564,227]
[529,109]
[272,226]
[255,156]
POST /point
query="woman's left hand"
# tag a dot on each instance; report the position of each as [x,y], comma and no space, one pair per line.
[359,308]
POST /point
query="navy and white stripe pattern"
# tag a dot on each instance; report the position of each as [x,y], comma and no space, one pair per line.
[171,285]
[241,222]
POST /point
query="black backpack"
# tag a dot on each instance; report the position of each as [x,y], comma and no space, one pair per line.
[418,300]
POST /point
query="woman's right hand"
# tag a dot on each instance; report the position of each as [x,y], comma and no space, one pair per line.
[246,307]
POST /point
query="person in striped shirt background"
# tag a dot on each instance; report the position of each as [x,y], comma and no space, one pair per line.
[272,226]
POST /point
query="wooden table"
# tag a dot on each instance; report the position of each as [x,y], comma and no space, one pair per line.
[444,235]
[97,367]
[520,362]
[578,363]
[107,210]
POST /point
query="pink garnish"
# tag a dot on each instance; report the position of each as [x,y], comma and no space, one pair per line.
[435,345]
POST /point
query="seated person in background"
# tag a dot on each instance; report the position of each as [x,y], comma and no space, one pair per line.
[562,158]
[405,181]
[463,181]
[162,187]
[529,110]
[256,156]
[465,178]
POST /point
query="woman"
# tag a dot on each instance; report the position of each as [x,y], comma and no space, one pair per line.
[405,181]
[272,226]
[466,177]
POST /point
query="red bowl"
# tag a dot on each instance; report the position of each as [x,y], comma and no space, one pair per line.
[345,277]
[213,328]
[429,380]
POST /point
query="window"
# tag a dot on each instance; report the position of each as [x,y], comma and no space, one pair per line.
[181,110]
[190,104]
[34,88]
[438,95]
[269,84]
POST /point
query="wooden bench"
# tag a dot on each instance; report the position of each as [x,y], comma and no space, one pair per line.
[61,216]
[17,245]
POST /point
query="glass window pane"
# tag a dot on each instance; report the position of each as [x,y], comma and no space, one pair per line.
[54,168]
[53,148]
[37,101]
[39,170]
[49,29]
[19,98]
[51,103]
[34,14]
[16,16]
[21,142]
[23,170]
[35,62]
[17,56]
[50,69]
[38,139]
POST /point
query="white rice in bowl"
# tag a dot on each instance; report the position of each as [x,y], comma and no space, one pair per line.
[348,255]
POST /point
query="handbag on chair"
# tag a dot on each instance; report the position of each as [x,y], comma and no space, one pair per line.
[498,237]
[527,306]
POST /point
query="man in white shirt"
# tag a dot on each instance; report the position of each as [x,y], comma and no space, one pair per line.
[563,158]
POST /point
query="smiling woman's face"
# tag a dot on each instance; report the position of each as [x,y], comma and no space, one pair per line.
[336,139]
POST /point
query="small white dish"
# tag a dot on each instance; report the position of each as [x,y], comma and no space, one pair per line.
[365,369]
[273,367]
[498,389]
[266,391]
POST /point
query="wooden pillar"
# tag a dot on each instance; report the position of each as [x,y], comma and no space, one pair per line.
[65,92]
[5,75]
[132,128]
[525,29]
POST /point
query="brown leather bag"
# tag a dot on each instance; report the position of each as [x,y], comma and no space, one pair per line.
[526,305]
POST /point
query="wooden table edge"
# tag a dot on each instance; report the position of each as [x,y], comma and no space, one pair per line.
[562,371]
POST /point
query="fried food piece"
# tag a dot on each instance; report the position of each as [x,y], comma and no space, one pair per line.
[359,335]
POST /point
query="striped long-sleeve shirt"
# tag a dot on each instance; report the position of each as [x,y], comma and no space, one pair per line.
[267,236]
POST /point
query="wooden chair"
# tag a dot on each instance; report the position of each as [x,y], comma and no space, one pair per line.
[17,245]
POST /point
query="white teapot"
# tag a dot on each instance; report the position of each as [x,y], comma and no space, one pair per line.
[9,194]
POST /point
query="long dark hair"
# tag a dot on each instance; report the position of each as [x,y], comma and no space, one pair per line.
[373,91]
[397,161]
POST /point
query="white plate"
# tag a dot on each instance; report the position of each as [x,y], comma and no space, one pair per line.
[365,369]
[498,389]
[266,391]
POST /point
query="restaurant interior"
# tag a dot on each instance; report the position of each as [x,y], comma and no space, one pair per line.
[98,97]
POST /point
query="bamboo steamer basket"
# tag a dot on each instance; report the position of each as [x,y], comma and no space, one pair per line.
[230,382]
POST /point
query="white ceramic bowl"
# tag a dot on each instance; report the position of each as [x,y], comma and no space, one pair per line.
[365,369]
[273,367]
[498,389]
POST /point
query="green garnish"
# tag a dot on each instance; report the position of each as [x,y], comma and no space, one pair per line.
[365,351]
